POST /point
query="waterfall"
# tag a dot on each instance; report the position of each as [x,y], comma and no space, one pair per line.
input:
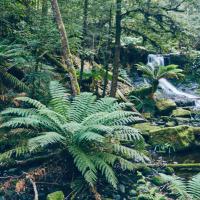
[169,89]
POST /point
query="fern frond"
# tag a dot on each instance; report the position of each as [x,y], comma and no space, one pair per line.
[106,170]
[177,186]
[130,153]
[13,80]
[18,151]
[193,187]
[80,105]
[88,136]
[59,101]
[32,102]
[84,164]
[109,119]
[101,105]
[46,138]
[19,112]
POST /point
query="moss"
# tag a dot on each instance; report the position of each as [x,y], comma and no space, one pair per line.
[165,106]
[56,196]
[147,115]
[179,137]
[158,180]
[180,112]
[145,197]
[141,92]
[169,171]
[133,192]
[141,181]
[147,171]
[146,127]
[170,124]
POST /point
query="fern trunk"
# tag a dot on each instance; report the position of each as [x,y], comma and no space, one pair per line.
[68,64]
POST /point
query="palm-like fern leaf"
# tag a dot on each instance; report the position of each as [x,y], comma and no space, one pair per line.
[194,187]
[91,131]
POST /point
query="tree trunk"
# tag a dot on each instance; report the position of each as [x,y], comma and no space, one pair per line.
[84,35]
[108,54]
[69,67]
[117,49]
[44,8]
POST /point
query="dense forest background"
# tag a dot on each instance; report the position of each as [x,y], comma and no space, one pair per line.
[82,111]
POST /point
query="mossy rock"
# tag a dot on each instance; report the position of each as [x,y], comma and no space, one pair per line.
[145,197]
[180,112]
[169,171]
[165,106]
[141,92]
[147,115]
[56,196]
[182,120]
[146,127]
[170,124]
[158,180]
[180,137]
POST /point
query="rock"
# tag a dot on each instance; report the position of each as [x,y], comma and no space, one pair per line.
[146,127]
[185,102]
[170,124]
[133,193]
[122,188]
[147,171]
[141,181]
[165,106]
[145,197]
[56,196]
[158,180]
[180,112]
[169,171]
[141,92]
[117,197]
[179,137]
[183,120]
[147,115]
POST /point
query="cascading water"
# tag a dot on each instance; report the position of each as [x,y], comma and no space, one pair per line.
[166,86]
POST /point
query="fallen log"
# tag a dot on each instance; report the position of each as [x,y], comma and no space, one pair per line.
[56,62]
[177,166]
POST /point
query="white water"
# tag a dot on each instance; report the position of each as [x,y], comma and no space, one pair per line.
[166,86]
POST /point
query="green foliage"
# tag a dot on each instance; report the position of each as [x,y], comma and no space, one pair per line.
[156,73]
[92,131]
[11,55]
[181,189]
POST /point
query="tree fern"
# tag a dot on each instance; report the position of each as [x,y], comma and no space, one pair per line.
[11,55]
[92,131]
[194,187]
[182,189]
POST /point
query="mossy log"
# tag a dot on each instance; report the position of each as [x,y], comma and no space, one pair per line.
[177,166]
[57,63]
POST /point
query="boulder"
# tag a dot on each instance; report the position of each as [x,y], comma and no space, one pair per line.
[179,137]
[56,196]
[143,91]
[180,112]
[165,106]
[147,115]
[146,127]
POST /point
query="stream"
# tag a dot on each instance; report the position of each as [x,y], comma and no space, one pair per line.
[170,91]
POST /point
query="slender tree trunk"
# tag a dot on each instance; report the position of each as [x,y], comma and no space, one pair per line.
[108,54]
[69,67]
[117,49]
[84,35]
[44,8]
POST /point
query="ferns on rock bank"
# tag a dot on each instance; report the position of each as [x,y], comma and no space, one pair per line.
[92,131]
